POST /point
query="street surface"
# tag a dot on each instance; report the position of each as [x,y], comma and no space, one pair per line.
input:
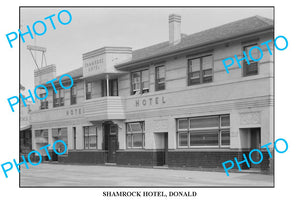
[54,175]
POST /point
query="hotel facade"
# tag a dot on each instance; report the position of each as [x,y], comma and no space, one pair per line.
[171,104]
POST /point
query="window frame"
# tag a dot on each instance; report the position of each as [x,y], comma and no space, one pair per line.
[44,102]
[58,98]
[73,98]
[88,136]
[245,65]
[131,133]
[141,90]
[201,70]
[219,129]
[88,95]
[157,83]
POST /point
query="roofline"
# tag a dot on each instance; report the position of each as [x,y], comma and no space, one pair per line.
[127,65]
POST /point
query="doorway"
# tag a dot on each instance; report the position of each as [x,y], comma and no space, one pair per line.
[160,156]
[255,143]
[110,136]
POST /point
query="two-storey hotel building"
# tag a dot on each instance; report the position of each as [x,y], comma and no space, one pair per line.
[171,104]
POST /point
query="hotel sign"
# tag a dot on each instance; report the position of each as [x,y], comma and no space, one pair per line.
[95,65]
[74,111]
[150,101]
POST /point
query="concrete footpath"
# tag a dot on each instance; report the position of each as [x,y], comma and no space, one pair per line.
[60,175]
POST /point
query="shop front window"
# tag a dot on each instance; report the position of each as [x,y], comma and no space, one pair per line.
[135,135]
[206,131]
[60,134]
[90,137]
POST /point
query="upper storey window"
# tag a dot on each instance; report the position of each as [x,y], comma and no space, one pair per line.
[140,82]
[73,94]
[200,70]
[44,102]
[59,98]
[252,68]
[160,78]
[88,90]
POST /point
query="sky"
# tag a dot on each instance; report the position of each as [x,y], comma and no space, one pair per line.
[93,28]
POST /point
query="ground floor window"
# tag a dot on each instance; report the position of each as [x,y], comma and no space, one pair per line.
[90,137]
[41,136]
[60,134]
[135,135]
[204,131]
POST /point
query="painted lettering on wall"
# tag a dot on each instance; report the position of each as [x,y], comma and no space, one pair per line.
[94,65]
[73,112]
[150,101]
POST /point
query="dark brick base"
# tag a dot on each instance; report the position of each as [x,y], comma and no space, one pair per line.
[142,158]
[206,159]
[197,159]
[85,157]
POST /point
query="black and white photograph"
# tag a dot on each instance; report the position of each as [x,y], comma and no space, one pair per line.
[150,106]
[147,97]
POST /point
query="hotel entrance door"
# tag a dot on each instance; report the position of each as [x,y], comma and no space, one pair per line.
[110,131]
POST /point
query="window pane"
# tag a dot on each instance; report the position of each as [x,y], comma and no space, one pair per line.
[225,121]
[207,76]
[145,81]
[195,75]
[136,82]
[194,65]
[207,73]
[254,53]
[145,75]
[92,130]
[86,142]
[251,69]
[204,138]
[61,93]
[38,133]
[64,132]
[183,138]
[129,142]
[136,127]
[54,95]
[183,124]
[225,138]
[73,90]
[207,62]
[128,127]
[160,78]
[45,133]
[89,87]
[160,72]
[145,85]
[204,122]
[55,132]
[137,140]
[86,131]
[93,142]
